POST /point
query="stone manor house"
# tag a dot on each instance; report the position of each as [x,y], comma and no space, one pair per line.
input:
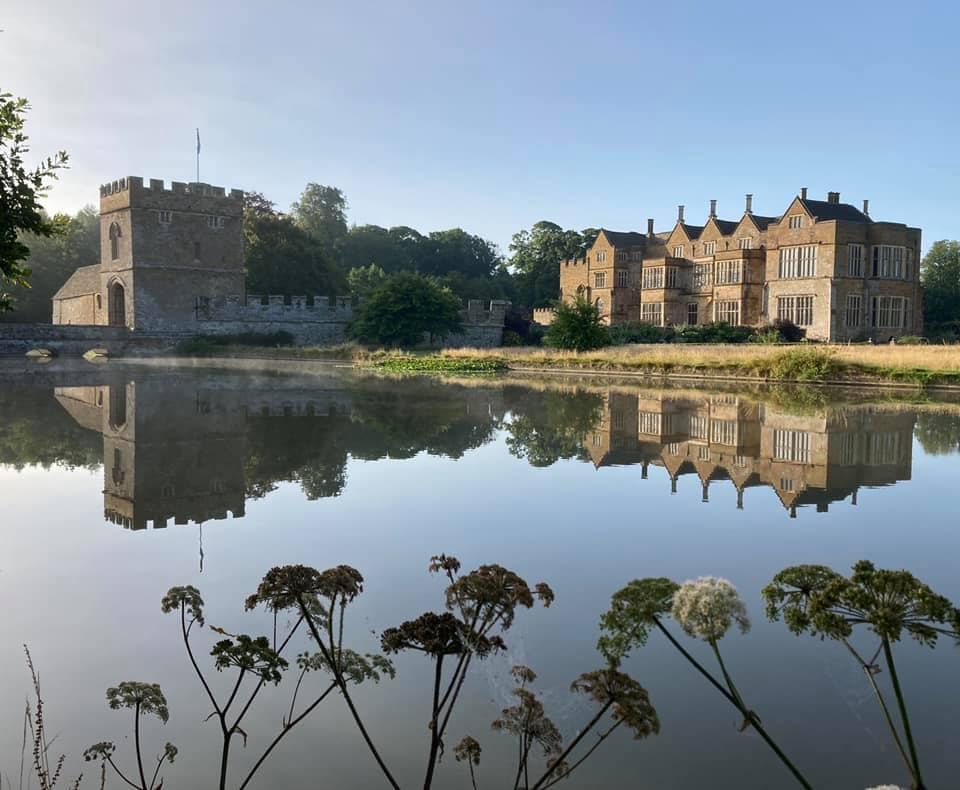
[172,263]
[826,266]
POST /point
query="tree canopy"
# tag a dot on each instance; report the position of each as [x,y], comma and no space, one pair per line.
[21,189]
[405,308]
[535,259]
[282,258]
[940,273]
[321,212]
[53,258]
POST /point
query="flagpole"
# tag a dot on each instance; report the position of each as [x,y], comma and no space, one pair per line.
[198,155]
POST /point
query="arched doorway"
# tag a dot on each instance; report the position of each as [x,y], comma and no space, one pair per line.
[118,305]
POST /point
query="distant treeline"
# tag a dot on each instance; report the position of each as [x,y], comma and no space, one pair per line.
[312,249]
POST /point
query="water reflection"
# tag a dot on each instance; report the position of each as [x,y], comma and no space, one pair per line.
[807,459]
[196,448]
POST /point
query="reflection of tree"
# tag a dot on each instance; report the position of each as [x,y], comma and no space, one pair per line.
[36,430]
[308,450]
[408,420]
[550,426]
[938,433]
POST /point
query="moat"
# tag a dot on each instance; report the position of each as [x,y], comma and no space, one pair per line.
[120,482]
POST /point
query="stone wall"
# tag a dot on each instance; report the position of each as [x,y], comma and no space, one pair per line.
[18,339]
[322,321]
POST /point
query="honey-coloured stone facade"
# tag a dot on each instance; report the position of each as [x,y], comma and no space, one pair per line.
[825,265]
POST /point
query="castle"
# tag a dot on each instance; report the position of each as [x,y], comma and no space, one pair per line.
[824,265]
[172,263]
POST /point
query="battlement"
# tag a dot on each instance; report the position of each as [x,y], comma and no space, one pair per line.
[573,262]
[133,193]
[543,315]
[494,314]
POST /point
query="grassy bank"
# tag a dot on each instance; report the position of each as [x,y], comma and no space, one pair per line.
[916,365]
[920,365]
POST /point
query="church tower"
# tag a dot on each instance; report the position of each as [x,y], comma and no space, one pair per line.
[162,251]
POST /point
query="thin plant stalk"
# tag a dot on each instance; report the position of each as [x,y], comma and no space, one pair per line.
[895,680]
[342,684]
[883,706]
[572,745]
[749,715]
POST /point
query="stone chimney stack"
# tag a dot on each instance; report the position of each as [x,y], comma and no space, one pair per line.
[680,214]
[713,208]
[833,197]
[650,227]
[866,207]
[803,193]
[749,209]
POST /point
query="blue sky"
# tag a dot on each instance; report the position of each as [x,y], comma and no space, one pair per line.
[491,116]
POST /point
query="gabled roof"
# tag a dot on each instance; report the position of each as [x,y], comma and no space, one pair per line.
[726,226]
[84,281]
[823,210]
[624,239]
[693,231]
[762,222]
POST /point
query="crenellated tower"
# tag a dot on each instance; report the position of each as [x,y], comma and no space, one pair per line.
[162,249]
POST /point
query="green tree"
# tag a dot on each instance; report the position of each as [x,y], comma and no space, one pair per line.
[364,280]
[403,309]
[322,213]
[371,244]
[282,258]
[577,326]
[455,250]
[940,274]
[20,193]
[75,242]
[535,260]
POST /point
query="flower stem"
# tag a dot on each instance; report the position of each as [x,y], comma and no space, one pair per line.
[749,715]
[883,706]
[895,680]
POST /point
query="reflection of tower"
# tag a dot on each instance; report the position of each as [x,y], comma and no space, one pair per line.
[166,453]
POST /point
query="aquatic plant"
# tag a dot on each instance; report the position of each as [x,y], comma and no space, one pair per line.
[706,609]
[817,600]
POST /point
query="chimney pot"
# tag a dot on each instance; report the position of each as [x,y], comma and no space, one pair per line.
[650,227]
[680,214]
[803,193]
[866,207]
[749,204]
[713,208]
[833,197]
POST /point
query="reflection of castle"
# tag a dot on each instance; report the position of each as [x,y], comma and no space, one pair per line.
[807,460]
[176,453]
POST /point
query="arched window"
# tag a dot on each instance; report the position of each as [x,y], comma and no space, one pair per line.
[118,406]
[114,241]
[118,305]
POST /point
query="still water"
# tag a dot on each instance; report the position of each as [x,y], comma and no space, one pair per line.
[120,482]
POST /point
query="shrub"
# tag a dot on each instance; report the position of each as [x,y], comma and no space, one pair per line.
[718,332]
[511,338]
[911,340]
[404,309]
[577,326]
[802,364]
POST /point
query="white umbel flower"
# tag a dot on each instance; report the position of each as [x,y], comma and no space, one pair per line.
[885,787]
[707,607]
